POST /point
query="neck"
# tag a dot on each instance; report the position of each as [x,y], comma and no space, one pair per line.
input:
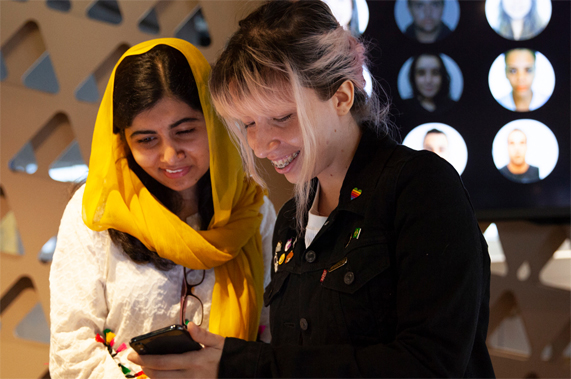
[331,179]
[427,37]
[189,204]
[518,169]
[517,28]
[522,100]
[427,103]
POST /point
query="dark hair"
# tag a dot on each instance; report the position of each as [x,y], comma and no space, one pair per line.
[140,82]
[532,24]
[444,92]
[434,131]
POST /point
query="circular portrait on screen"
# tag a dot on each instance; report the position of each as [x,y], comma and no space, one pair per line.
[521,79]
[352,15]
[430,82]
[441,139]
[518,20]
[427,21]
[525,151]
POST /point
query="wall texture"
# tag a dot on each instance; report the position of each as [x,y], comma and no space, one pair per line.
[56,57]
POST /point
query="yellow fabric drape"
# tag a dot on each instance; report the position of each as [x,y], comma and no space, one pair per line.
[115,198]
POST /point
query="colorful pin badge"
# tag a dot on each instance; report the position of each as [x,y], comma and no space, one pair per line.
[276,262]
[279,247]
[282,258]
[357,233]
[289,257]
[323,276]
[288,245]
[355,193]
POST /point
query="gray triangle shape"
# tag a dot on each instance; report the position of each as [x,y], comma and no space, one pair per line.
[34,326]
[105,10]
[59,5]
[25,160]
[150,23]
[3,68]
[41,75]
[88,91]
[69,166]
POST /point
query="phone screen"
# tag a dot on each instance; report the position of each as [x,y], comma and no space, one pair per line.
[174,339]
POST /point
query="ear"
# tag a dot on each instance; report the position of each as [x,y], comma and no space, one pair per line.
[344,97]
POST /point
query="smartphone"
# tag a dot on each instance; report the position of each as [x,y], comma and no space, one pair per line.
[174,339]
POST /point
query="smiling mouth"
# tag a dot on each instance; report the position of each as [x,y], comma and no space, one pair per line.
[173,171]
[283,163]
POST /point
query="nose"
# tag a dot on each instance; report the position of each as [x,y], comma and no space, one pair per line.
[172,153]
[261,140]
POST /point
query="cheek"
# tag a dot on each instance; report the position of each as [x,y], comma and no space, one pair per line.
[143,158]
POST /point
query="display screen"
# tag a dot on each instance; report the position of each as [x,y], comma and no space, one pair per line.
[486,85]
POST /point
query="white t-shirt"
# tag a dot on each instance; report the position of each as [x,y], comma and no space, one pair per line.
[314,221]
[95,286]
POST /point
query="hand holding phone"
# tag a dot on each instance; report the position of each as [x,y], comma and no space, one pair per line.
[174,339]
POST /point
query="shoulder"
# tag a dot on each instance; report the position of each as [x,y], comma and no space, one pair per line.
[507,101]
[424,174]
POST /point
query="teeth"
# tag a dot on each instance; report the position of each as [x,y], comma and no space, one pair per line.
[173,171]
[282,163]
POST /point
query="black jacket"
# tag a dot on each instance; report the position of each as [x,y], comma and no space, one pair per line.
[409,296]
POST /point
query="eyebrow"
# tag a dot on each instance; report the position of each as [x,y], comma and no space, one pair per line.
[171,126]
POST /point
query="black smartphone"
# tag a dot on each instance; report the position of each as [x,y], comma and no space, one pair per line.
[174,339]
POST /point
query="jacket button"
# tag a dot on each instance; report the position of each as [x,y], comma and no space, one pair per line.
[349,278]
[303,324]
[310,256]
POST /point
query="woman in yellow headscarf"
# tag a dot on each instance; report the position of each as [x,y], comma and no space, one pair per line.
[166,189]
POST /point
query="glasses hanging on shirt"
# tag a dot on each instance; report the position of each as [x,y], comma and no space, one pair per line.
[190,301]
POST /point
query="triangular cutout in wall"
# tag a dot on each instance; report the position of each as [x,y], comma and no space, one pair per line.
[106,11]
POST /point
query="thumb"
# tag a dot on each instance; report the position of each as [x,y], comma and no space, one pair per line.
[204,337]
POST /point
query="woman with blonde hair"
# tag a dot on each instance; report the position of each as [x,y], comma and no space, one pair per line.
[379,268]
[168,228]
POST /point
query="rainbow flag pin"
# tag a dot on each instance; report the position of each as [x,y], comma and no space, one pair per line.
[355,193]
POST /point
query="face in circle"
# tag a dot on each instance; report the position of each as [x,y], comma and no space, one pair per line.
[516,9]
[426,14]
[520,70]
[427,76]
[342,10]
[517,147]
[276,135]
[170,142]
[437,143]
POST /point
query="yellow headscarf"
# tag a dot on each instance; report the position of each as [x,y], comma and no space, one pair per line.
[115,198]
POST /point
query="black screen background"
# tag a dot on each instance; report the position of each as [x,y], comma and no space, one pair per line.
[477,116]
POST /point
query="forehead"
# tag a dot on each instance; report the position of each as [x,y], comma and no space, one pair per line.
[261,103]
[427,61]
[516,135]
[435,137]
[519,57]
[164,112]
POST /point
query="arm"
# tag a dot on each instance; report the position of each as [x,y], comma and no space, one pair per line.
[78,304]
[440,286]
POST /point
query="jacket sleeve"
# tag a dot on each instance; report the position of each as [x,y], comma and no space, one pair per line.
[440,263]
[78,307]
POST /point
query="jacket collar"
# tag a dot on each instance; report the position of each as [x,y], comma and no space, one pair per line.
[364,172]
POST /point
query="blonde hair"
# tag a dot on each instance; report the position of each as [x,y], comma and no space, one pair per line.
[280,49]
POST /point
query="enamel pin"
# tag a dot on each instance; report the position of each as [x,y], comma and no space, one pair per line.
[288,244]
[355,193]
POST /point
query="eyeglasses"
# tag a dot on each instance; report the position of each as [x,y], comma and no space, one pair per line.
[185,292]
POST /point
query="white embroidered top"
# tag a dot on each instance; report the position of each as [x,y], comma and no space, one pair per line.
[95,286]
